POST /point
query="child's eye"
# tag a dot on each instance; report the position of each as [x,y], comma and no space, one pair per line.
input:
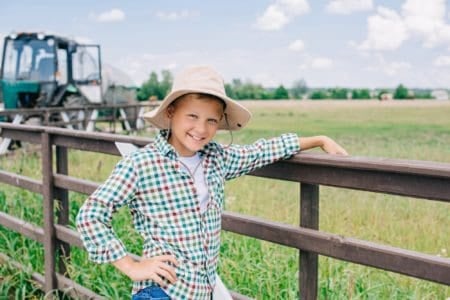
[192,116]
[213,121]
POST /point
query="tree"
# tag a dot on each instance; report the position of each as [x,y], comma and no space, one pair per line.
[166,83]
[360,94]
[152,87]
[338,93]
[319,94]
[149,88]
[299,88]
[229,90]
[281,93]
[248,90]
[401,92]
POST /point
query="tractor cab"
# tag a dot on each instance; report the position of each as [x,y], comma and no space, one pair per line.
[39,70]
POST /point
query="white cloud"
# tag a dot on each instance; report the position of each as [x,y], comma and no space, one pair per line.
[427,21]
[295,7]
[348,6]
[297,45]
[280,13]
[442,61]
[319,63]
[388,29]
[113,15]
[272,19]
[389,68]
[176,15]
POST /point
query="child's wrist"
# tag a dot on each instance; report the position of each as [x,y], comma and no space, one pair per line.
[322,139]
[126,265]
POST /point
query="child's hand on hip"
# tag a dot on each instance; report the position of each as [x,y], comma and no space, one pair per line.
[156,268]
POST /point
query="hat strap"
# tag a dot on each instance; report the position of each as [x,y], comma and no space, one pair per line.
[169,129]
[229,130]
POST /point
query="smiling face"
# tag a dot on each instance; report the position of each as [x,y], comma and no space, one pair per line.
[194,120]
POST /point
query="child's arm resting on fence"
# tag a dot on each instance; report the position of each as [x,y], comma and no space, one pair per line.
[327,144]
[156,268]
[242,159]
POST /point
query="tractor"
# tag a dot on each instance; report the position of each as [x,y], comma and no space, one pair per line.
[44,70]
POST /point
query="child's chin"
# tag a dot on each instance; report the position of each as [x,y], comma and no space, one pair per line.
[197,146]
[196,149]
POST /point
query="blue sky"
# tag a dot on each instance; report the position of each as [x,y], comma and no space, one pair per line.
[347,43]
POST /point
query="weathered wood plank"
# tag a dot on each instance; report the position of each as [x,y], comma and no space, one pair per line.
[388,258]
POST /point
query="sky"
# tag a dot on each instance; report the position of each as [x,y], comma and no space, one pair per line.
[328,43]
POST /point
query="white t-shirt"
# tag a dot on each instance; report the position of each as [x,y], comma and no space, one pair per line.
[199,178]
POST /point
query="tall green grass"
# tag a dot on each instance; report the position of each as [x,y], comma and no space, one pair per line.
[260,269]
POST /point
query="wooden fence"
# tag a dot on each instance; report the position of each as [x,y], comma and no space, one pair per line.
[425,180]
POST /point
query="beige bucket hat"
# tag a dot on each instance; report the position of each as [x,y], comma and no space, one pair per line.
[205,80]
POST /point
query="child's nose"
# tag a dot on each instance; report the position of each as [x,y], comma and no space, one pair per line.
[201,127]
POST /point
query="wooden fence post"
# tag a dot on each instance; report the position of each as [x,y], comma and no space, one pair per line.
[309,218]
[63,211]
[49,229]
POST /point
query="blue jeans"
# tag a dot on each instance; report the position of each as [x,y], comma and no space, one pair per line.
[151,293]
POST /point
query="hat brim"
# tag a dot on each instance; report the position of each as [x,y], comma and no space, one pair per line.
[237,116]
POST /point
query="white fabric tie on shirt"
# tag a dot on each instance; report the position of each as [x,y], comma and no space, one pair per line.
[191,162]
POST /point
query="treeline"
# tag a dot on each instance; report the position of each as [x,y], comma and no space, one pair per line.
[157,87]
[248,90]
[401,92]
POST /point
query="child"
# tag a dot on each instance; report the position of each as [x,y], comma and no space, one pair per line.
[174,188]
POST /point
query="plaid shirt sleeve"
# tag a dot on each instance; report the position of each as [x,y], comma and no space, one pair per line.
[94,218]
[240,160]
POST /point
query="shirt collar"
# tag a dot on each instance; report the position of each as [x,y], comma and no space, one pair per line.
[163,146]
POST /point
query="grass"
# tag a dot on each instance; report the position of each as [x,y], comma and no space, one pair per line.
[260,269]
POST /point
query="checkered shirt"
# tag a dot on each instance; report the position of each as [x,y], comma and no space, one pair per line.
[163,202]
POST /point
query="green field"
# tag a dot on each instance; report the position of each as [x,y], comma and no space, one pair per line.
[404,130]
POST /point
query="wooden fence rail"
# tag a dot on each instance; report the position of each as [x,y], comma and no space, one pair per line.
[424,180]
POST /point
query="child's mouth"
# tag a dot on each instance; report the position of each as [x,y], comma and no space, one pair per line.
[196,138]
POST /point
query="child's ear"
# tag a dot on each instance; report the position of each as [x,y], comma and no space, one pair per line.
[169,111]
